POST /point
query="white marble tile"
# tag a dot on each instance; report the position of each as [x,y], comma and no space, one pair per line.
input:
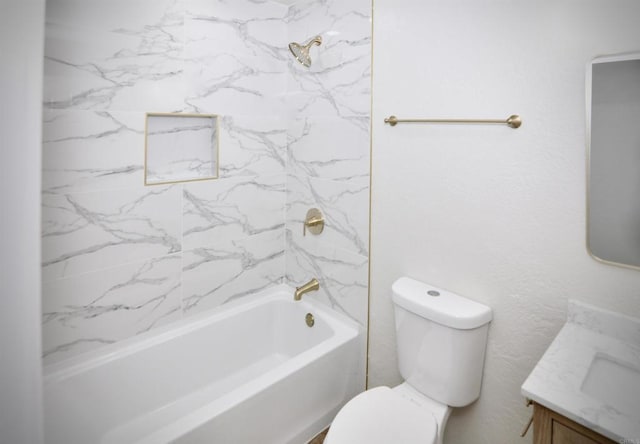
[328,107]
[230,269]
[122,16]
[230,209]
[344,205]
[338,81]
[252,146]
[235,64]
[181,148]
[329,148]
[351,18]
[92,150]
[343,276]
[345,95]
[240,11]
[104,69]
[92,62]
[84,232]
[86,311]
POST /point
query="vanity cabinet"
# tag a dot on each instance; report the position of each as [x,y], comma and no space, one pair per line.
[550,427]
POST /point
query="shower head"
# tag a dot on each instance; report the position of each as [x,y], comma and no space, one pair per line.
[301,52]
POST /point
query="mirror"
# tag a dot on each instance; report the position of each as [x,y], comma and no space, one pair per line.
[613,160]
[180,148]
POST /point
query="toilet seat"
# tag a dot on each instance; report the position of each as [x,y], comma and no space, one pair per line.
[382,416]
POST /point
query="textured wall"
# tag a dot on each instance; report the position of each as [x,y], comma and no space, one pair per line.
[120,258]
[495,214]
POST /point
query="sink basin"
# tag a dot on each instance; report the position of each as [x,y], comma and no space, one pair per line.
[613,382]
[591,372]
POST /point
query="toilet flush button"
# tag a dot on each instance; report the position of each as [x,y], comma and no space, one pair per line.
[433,293]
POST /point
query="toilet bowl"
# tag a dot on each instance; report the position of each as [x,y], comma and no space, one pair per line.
[383,415]
[441,339]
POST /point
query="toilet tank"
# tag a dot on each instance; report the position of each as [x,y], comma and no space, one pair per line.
[441,340]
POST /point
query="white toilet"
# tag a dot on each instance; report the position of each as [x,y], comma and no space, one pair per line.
[441,344]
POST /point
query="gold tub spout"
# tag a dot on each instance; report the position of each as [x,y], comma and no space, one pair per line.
[312,285]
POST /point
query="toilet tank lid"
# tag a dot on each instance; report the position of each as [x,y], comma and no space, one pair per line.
[439,305]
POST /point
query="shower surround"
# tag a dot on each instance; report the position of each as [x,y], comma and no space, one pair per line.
[120,258]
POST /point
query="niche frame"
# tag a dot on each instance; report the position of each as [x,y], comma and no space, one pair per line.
[215,157]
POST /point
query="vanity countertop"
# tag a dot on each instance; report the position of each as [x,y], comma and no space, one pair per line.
[590,372]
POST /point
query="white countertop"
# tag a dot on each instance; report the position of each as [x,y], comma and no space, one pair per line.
[558,380]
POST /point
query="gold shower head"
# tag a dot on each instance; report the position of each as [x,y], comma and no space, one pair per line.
[301,52]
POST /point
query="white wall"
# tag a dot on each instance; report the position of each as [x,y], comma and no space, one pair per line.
[495,214]
[21,46]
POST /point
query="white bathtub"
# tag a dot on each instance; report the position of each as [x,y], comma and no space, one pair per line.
[252,373]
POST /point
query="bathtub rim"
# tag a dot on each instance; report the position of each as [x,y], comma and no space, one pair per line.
[59,371]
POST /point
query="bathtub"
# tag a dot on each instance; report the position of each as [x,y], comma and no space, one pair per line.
[253,372]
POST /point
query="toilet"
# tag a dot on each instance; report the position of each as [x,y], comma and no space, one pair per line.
[441,339]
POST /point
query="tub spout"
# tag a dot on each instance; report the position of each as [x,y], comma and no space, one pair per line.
[312,285]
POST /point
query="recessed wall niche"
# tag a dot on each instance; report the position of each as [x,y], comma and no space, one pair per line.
[180,148]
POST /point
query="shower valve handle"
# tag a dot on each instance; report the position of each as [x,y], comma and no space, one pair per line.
[314,221]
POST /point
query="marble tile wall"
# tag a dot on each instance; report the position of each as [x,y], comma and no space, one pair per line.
[328,157]
[120,258]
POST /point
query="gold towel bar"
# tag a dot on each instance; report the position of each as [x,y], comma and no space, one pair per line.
[513,121]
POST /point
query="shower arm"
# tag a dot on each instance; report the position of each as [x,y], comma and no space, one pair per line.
[317,41]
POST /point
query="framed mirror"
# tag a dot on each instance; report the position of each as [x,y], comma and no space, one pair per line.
[613,159]
[180,148]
